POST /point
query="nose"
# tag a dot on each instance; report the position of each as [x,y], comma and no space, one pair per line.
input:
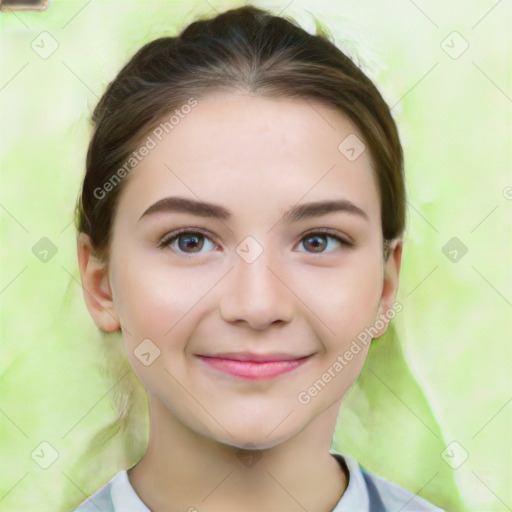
[256,294]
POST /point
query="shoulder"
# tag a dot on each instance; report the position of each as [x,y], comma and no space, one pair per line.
[395,497]
[100,500]
[368,492]
[117,495]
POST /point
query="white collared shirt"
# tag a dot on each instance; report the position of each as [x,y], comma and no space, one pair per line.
[365,492]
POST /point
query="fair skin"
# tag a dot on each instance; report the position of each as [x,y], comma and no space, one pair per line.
[256,157]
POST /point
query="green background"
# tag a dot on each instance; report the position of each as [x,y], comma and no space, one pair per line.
[432,408]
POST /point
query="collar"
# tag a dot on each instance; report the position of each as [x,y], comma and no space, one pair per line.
[354,499]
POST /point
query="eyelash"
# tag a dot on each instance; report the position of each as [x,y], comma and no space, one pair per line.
[330,233]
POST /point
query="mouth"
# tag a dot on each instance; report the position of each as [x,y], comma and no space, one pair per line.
[254,366]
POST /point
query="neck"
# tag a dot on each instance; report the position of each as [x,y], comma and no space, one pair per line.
[183,470]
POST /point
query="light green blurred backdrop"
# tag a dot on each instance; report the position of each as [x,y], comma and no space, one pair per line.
[445,68]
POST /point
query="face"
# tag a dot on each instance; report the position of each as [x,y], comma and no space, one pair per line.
[231,313]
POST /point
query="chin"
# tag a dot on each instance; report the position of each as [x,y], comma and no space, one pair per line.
[257,435]
[254,443]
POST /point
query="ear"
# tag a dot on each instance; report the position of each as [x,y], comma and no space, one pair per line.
[96,286]
[389,285]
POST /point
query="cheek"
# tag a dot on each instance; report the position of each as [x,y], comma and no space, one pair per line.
[154,301]
[152,305]
[345,298]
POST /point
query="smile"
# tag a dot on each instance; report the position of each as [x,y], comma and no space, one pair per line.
[251,369]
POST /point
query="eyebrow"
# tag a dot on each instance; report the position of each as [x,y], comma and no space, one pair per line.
[294,214]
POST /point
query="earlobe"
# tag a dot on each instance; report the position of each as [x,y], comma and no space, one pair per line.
[390,282]
[96,287]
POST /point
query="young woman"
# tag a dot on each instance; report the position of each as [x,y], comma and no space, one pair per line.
[240,222]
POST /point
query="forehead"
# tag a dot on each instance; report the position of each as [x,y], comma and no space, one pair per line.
[272,151]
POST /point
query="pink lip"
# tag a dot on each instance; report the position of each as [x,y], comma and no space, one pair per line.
[253,366]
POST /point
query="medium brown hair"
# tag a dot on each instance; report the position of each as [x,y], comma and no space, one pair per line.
[244,49]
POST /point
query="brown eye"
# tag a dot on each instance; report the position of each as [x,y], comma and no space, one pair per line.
[317,242]
[192,242]
[187,242]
